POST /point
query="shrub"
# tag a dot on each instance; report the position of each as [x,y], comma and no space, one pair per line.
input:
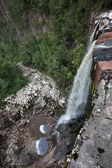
[11,79]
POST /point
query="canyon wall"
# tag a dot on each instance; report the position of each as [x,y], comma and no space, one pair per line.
[93,147]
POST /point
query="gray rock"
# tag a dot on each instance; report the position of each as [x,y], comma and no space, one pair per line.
[93,147]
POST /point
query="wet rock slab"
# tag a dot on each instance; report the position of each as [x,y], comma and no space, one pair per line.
[93,147]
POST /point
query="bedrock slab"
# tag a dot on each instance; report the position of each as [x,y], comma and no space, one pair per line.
[93,147]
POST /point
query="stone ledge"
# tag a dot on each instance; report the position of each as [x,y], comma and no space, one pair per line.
[93,147]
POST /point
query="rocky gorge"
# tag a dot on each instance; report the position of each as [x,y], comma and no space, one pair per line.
[40,102]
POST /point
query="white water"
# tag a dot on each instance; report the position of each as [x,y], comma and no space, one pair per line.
[79,94]
[92,35]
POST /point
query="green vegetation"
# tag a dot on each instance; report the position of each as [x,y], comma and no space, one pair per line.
[56,60]
[57,52]
[11,79]
[65,165]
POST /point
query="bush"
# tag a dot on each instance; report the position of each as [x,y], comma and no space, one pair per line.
[11,79]
[57,53]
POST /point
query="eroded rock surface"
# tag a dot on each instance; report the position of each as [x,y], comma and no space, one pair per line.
[93,147]
[39,102]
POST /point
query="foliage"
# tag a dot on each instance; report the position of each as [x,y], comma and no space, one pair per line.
[57,53]
[18,14]
[65,165]
[45,54]
[11,78]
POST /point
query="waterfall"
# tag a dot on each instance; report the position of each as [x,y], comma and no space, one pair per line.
[78,98]
[93,35]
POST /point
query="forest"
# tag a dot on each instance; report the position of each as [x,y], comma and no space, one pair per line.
[50,36]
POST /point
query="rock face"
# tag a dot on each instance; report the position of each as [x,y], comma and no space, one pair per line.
[39,102]
[102,54]
[103,35]
[103,49]
[93,147]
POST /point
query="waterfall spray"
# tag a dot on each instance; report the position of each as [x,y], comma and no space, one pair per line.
[80,91]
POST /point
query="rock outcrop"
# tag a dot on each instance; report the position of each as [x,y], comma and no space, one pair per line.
[93,147]
[39,102]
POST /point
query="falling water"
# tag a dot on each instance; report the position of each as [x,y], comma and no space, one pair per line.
[80,91]
[93,34]
[78,98]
